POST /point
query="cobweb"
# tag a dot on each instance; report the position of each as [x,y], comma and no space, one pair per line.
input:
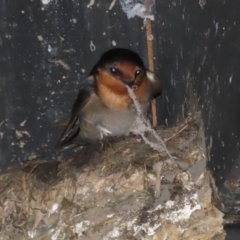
[140,8]
[143,125]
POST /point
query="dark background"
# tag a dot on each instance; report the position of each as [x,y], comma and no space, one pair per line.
[196,48]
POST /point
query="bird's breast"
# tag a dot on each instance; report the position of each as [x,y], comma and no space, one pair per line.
[100,121]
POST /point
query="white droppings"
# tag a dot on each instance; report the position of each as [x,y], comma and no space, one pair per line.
[171,211]
[92,46]
[202,3]
[114,43]
[91,3]
[183,214]
[18,134]
[230,79]
[112,5]
[22,144]
[45,2]
[216,27]
[149,230]
[32,234]
[53,208]
[74,20]
[81,227]
[40,38]
[169,204]
[150,37]
[49,48]
[115,233]
[22,124]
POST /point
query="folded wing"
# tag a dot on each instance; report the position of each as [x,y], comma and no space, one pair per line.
[72,129]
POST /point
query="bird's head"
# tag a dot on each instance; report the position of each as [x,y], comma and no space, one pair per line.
[122,64]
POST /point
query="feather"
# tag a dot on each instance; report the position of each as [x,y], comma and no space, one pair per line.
[72,129]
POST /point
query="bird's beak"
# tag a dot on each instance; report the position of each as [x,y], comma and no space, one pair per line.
[130,82]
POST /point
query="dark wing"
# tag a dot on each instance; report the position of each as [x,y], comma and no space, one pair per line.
[155,84]
[71,131]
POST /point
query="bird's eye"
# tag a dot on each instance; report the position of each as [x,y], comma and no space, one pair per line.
[113,70]
[137,72]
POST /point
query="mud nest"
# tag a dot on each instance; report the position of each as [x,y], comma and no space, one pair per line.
[119,190]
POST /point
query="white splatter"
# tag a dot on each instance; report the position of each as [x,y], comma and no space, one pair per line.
[40,38]
[184,213]
[49,48]
[45,2]
[92,46]
[150,230]
[22,124]
[32,233]
[91,3]
[112,5]
[53,208]
[113,234]
[216,27]
[81,227]
[150,37]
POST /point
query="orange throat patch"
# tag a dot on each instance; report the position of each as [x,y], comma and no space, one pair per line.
[114,93]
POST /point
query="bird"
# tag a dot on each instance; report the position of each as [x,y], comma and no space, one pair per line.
[103,107]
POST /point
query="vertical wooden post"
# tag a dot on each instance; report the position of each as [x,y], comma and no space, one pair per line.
[151,63]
